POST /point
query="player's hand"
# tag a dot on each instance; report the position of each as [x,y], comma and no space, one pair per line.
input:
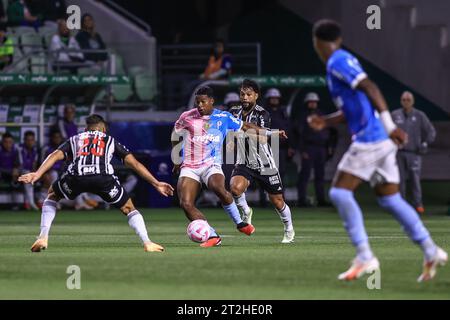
[399,137]
[31,177]
[164,188]
[305,155]
[316,122]
[176,169]
[282,134]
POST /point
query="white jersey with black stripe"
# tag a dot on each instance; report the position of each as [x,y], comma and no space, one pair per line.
[91,152]
[254,155]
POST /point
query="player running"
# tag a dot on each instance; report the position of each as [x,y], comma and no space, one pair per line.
[371,156]
[255,161]
[90,170]
[203,129]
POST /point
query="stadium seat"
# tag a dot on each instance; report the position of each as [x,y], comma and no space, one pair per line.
[22,29]
[38,64]
[22,66]
[122,92]
[47,29]
[135,70]
[119,63]
[30,42]
[145,86]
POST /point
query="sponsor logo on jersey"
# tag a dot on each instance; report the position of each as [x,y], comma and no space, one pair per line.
[90,169]
[206,138]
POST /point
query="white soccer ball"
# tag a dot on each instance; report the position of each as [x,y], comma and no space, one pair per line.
[198,230]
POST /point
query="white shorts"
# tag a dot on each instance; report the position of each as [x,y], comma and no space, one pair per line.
[373,162]
[201,174]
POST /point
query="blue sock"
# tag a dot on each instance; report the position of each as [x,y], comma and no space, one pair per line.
[410,221]
[233,211]
[212,232]
[351,215]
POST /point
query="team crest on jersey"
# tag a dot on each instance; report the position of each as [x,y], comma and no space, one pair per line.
[114,191]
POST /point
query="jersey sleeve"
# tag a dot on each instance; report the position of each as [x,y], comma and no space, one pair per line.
[349,70]
[265,120]
[66,148]
[180,124]
[233,123]
[120,150]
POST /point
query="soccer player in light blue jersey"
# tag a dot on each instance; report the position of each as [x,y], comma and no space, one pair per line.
[370,157]
[204,129]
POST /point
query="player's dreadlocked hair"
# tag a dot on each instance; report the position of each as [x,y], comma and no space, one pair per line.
[247,83]
[327,30]
[205,91]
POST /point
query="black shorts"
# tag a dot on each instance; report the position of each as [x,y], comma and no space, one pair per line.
[107,187]
[270,183]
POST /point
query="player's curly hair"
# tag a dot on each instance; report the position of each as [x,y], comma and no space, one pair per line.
[327,30]
[205,91]
[248,83]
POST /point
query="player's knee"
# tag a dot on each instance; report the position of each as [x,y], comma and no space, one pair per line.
[186,205]
[236,189]
[339,195]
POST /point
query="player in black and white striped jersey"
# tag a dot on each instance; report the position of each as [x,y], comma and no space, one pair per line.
[90,170]
[255,160]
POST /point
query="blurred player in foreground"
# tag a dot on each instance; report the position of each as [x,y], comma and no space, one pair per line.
[371,157]
[204,129]
[90,170]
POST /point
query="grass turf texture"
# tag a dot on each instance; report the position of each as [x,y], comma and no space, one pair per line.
[114,265]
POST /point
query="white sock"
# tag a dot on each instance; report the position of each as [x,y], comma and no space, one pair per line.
[136,221]
[429,248]
[286,217]
[241,202]
[364,252]
[47,216]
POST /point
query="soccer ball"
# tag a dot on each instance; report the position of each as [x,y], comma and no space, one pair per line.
[198,230]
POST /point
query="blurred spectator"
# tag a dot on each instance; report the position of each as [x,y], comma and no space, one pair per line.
[279,120]
[67,126]
[9,164]
[219,63]
[89,39]
[231,99]
[50,176]
[3,18]
[62,45]
[53,10]
[19,13]
[421,133]
[28,159]
[313,147]
[6,49]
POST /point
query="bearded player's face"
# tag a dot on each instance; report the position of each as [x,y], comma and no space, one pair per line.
[204,104]
[248,97]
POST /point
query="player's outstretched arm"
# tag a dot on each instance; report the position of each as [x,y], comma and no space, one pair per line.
[376,97]
[320,122]
[164,188]
[52,158]
[262,132]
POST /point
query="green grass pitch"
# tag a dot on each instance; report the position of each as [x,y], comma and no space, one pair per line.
[114,265]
